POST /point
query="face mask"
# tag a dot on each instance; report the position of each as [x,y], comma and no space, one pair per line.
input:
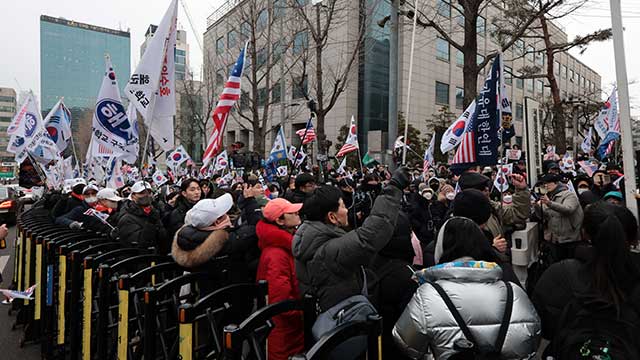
[427,195]
[507,199]
[274,195]
[582,190]
[144,201]
[450,196]
[91,200]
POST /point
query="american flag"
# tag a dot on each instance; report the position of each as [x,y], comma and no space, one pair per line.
[308,134]
[228,98]
[466,153]
[352,140]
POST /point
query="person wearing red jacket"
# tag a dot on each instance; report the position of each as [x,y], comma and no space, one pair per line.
[275,234]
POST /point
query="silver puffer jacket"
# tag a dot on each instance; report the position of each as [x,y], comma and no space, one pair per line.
[476,289]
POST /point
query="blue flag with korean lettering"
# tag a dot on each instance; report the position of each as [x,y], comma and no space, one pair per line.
[479,145]
[279,150]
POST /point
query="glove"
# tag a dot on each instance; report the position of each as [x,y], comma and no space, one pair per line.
[75,225]
[400,178]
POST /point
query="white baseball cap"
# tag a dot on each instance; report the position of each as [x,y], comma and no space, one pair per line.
[205,212]
[108,194]
[140,186]
[90,187]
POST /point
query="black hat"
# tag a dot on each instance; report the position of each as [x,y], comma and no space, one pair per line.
[473,180]
[303,179]
[550,178]
[472,204]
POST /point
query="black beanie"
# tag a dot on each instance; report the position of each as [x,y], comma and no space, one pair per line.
[474,180]
[472,204]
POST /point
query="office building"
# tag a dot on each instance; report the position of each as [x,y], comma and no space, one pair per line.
[72,66]
[181,52]
[437,80]
[8,105]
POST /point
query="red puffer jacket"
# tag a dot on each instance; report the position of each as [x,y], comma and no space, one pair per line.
[277,267]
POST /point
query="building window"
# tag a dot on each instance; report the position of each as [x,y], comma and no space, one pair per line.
[278,8]
[589,85]
[300,87]
[302,2]
[572,74]
[519,83]
[481,26]
[459,18]
[276,92]
[519,112]
[519,47]
[459,58]
[232,37]
[220,45]
[579,79]
[442,93]
[564,71]
[540,59]
[442,49]
[219,78]
[244,101]
[556,68]
[278,50]
[245,31]
[531,53]
[261,58]
[508,75]
[529,84]
[262,96]
[539,87]
[262,20]
[459,98]
[300,42]
[444,8]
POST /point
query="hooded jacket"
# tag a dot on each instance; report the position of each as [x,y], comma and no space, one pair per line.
[277,268]
[193,248]
[476,290]
[563,216]
[328,259]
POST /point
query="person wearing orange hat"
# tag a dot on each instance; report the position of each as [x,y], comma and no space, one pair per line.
[275,235]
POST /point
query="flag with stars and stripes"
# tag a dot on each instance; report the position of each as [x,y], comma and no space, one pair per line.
[352,140]
[230,95]
[308,134]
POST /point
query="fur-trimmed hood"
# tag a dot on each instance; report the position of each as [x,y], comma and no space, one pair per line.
[207,245]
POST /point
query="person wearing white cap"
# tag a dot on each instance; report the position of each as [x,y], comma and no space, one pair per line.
[208,232]
[104,218]
[139,224]
[75,198]
[73,219]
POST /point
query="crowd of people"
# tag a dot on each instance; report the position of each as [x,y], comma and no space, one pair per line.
[430,251]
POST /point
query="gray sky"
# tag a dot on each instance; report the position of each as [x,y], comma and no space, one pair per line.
[20,27]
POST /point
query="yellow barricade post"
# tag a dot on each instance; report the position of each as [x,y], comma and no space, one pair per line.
[39,284]
[27,265]
[86,308]
[123,317]
[185,340]
[62,289]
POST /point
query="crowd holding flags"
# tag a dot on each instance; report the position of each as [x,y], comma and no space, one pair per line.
[428,159]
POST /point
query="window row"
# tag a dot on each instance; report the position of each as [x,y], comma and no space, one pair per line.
[299,90]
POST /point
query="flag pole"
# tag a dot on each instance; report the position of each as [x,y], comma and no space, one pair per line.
[360,158]
[413,44]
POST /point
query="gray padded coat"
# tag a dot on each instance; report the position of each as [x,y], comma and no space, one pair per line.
[476,289]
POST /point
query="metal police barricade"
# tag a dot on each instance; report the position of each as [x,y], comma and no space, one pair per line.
[202,323]
[130,318]
[255,330]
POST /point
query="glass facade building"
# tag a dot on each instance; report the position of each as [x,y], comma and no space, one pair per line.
[72,61]
[373,72]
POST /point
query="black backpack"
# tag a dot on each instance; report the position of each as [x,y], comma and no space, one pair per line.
[593,329]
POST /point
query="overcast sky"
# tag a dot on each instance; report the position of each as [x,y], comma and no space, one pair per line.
[20,29]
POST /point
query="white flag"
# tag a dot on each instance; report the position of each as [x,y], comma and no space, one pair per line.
[607,115]
[28,125]
[300,156]
[282,171]
[151,87]
[134,147]
[222,161]
[452,137]
[112,131]
[58,125]
[159,179]
[586,143]
[342,167]
[501,182]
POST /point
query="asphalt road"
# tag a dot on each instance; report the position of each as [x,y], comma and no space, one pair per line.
[10,339]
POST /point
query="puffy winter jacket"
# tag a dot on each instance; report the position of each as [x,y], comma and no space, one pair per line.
[277,267]
[328,258]
[476,289]
[563,216]
[137,228]
[175,219]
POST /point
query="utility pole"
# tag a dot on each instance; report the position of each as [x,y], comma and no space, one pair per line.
[623,103]
[392,131]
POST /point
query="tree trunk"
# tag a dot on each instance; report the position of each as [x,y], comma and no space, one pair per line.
[470,69]
[558,122]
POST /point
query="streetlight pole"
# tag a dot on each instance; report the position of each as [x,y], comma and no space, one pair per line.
[625,112]
[393,80]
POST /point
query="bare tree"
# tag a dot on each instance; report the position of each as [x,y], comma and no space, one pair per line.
[331,72]
[559,109]
[192,129]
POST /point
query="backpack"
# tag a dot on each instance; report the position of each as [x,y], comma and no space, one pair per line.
[593,329]
[468,347]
